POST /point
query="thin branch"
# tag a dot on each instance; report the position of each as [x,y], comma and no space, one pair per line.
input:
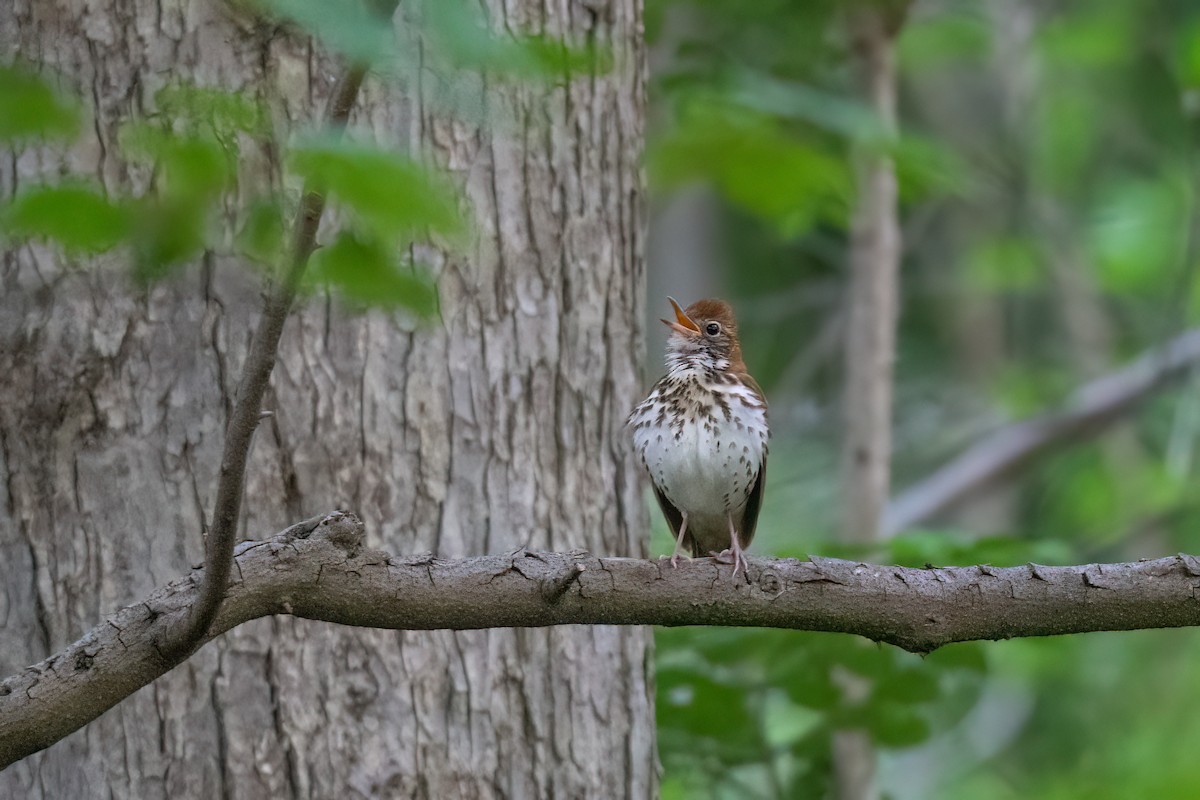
[1090,409]
[256,375]
[320,570]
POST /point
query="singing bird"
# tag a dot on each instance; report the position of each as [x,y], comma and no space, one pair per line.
[702,435]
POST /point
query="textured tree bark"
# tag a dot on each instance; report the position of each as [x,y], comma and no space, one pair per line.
[500,427]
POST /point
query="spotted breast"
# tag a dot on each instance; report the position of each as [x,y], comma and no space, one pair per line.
[702,435]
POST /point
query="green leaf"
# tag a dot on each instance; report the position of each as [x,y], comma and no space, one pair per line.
[926,168]
[460,34]
[363,270]
[352,28]
[1066,137]
[77,216]
[31,109]
[1030,388]
[1187,55]
[1004,264]
[784,724]
[1093,40]
[952,38]
[968,656]
[223,112]
[947,548]
[398,199]
[861,657]
[171,225]
[828,111]
[1088,494]
[702,712]
[261,236]
[896,725]
[673,788]
[813,688]
[922,166]
[789,182]
[911,686]
[167,232]
[1140,234]
[731,646]
[195,166]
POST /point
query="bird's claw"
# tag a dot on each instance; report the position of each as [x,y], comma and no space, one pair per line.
[675,560]
[735,557]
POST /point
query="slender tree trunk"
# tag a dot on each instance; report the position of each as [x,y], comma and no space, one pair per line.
[499,427]
[874,275]
[870,344]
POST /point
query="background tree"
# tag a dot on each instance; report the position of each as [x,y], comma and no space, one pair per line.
[491,429]
[1044,162]
[1046,165]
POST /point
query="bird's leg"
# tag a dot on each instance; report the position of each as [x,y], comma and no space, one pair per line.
[734,551]
[679,541]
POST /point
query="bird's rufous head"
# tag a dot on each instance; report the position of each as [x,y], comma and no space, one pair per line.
[705,335]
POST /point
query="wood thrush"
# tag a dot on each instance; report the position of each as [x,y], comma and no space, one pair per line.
[702,435]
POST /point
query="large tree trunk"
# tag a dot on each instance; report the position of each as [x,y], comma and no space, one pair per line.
[498,427]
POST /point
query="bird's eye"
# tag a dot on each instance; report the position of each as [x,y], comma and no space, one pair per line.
[712,328]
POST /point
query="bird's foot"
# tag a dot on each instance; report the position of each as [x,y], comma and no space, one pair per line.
[679,541]
[675,560]
[733,556]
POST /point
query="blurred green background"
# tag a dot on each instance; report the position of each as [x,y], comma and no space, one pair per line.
[1048,191]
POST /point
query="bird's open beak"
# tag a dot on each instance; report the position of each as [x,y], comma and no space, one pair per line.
[683,323]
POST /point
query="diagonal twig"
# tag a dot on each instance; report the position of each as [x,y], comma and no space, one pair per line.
[1091,408]
[256,374]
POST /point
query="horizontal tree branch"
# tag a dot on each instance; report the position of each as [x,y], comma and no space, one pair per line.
[1090,408]
[320,570]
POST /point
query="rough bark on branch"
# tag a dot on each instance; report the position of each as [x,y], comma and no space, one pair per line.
[1091,408]
[320,570]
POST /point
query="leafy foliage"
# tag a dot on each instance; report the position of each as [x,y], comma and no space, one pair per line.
[359,31]
[791,184]
[203,193]
[462,39]
[1047,165]
[391,196]
[456,37]
[365,272]
[75,214]
[30,108]
[1047,170]
[753,711]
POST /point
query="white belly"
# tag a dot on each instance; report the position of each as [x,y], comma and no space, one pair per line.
[707,467]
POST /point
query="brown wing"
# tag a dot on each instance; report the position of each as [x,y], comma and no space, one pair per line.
[754,501]
[753,504]
[674,517]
